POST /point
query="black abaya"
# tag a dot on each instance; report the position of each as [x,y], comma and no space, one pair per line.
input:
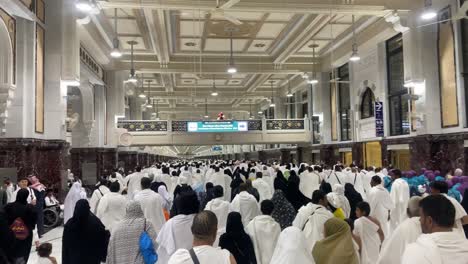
[237,241]
[85,238]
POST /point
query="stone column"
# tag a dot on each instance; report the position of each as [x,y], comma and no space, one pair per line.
[280,108]
[298,108]
[304,154]
[128,160]
[285,156]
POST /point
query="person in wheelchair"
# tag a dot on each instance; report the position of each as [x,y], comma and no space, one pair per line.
[53,211]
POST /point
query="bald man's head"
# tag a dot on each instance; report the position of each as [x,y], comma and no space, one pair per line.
[204,227]
[413,206]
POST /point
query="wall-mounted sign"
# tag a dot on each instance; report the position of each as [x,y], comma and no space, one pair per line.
[217,126]
[217,148]
[379,119]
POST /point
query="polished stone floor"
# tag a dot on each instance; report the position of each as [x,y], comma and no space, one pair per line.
[54,237]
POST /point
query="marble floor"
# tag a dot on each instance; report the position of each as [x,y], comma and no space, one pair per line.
[54,237]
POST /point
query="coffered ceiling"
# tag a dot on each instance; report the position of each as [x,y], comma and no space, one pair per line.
[184,47]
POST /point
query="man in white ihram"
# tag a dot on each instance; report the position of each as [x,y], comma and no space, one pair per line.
[310,181]
[311,218]
[400,195]
[245,204]
[111,208]
[406,233]
[151,203]
[380,202]
[262,186]
[203,229]
[134,183]
[438,244]
[264,232]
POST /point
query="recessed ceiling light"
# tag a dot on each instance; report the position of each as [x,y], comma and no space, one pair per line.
[259,45]
[190,44]
[428,15]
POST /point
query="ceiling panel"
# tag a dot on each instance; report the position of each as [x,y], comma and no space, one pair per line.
[308,48]
[246,15]
[191,14]
[224,44]
[206,82]
[279,17]
[189,44]
[259,45]
[127,26]
[139,46]
[270,30]
[191,28]
[120,12]
[331,31]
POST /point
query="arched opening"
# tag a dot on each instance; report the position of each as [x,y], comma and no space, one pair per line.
[6,56]
[367,104]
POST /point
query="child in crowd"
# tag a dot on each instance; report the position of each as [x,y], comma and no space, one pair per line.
[44,251]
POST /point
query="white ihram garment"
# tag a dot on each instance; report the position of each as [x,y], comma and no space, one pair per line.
[370,240]
[111,209]
[291,248]
[400,195]
[246,205]
[174,235]
[221,209]
[264,232]
[263,188]
[152,206]
[311,220]
[380,203]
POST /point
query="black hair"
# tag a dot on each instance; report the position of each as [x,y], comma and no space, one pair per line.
[441,186]
[216,169]
[267,207]
[187,203]
[114,186]
[259,174]
[243,187]
[209,185]
[218,191]
[364,207]
[396,173]
[138,169]
[145,183]
[317,195]
[376,179]
[440,209]
[44,250]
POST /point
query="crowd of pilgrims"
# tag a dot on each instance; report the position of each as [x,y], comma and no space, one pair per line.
[247,212]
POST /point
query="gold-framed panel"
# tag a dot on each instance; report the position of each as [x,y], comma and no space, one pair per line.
[334,121]
[40,10]
[10,22]
[447,69]
[39,97]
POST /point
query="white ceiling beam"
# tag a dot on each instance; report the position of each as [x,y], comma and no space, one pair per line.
[319,7]
[313,26]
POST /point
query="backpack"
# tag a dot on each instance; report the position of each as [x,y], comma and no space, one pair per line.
[147,247]
[20,229]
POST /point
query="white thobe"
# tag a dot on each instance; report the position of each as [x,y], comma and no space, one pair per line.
[205,254]
[366,182]
[227,187]
[175,234]
[152,205]
[336,177]
[221,209]
[263,189]
[264,232]
[400,195]
[96,197]
[291,248]
[166,178]
[134,184]
[246,205]
[437,248]
[459,214]
[380,203]
[217,179]
[394,247]
[311,220]
[310,181]
[370,240]
[31,195]
[111,209]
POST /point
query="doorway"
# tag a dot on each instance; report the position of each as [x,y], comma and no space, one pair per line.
[401,159]
[372,154]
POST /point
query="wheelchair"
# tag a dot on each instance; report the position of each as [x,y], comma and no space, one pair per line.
[53,216]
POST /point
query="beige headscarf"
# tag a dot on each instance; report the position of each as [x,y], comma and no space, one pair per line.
[337,246]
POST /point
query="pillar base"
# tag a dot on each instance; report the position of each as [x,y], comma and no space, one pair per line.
[47,159]
[96,161]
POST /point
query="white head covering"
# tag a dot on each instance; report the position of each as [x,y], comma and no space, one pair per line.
[339,189]
[291,248]
[165,195]
[70,201]
[334,200]
[458,172]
